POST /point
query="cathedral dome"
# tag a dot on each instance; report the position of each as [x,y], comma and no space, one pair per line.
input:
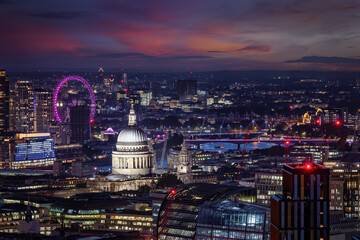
[133,155]
[132,135]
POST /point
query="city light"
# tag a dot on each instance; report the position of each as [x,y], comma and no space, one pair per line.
[195,124]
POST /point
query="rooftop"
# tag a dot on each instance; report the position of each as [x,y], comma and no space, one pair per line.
[308,167]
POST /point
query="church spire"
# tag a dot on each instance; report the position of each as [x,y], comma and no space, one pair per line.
[132,116]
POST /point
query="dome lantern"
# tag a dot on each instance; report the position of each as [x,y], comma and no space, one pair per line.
[132,116]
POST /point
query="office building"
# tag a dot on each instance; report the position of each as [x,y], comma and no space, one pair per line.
[102,212]
[314,153]
[228,219]
[200,156]
[79,123]
[4,102]
[145,97]
[179,215]
[135,98]
[33,150]
[24,106]
[7,148]
[12,110]
[302,210]
[71,161]
[186,88]
[267,184]
[43,109]
[347,172]
[157,198]
[60,132]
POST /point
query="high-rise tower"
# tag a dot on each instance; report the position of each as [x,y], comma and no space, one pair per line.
[302,211]
[186,88]
[44,110]
[79,123]
[24,106]
[4,102]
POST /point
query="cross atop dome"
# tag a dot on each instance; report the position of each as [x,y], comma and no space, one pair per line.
[132,115]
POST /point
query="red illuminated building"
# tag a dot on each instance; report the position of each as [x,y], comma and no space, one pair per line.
[302,211]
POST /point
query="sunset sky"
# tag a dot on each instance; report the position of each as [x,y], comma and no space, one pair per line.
[167,35]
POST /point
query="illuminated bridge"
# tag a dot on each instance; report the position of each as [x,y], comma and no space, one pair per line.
[315,140]
[288,141]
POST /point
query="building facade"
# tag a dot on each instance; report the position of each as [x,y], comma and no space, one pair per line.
[4,102]
[267,184]
[179,212]
[43,110]
[33,150]
[79,124]
[302,210]
[24,107]
[186,88]
[233,220]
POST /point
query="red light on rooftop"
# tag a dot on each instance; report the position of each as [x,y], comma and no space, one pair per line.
[291,107]
[172,191]
[91,120]
[337,123]
[125,89]
[308,166]
[317,121]
[287,142]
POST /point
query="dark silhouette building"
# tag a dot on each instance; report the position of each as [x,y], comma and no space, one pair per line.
[186,88]
[4,102]
[79,124]
[43,110]
[302,211]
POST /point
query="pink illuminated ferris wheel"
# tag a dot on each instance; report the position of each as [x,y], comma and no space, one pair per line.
[87,85]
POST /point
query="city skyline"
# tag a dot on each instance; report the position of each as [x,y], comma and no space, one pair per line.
[200,119]
[173,36]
